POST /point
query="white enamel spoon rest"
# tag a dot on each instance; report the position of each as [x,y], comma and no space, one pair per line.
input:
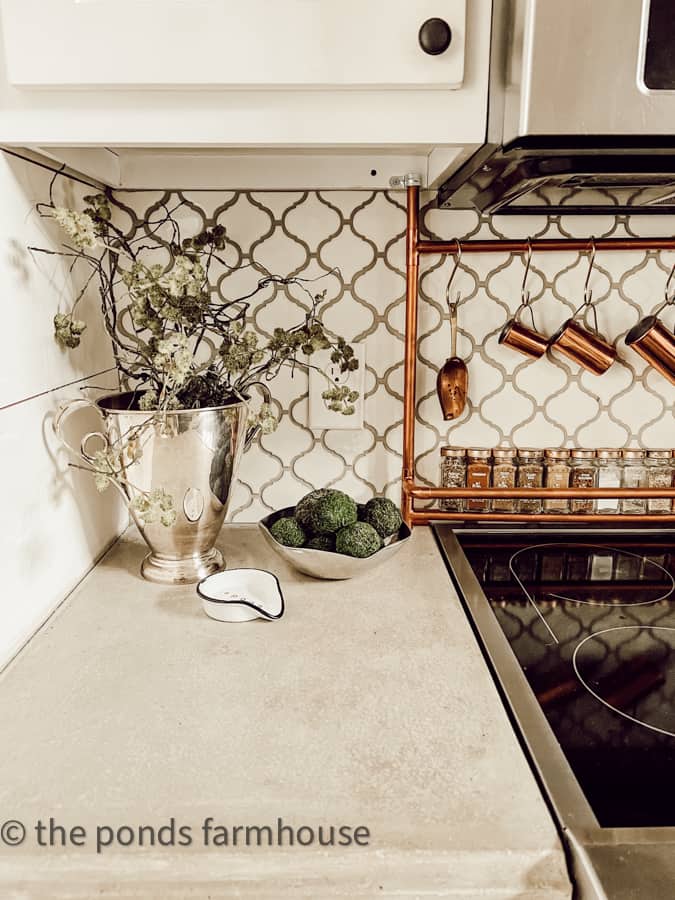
[239,595]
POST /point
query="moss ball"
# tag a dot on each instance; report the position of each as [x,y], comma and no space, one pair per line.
[359,539]
[331,512]
[321,542]
[306,504]
[383,515]
[289,532]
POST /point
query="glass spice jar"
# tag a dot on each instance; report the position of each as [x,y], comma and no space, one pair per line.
[582,476]
[557,476]
[530,475]
[478,472]
[504,476]
[634,475]
[609,476]
[453,475]
[659,475]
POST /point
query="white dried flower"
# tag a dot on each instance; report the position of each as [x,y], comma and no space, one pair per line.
[78,226]
[174,359]
[67,330]
[148,401]
[264,419]
[104,469]
[185,278]
[155,506]
[341,399]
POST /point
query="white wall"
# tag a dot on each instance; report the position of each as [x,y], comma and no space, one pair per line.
[53,524]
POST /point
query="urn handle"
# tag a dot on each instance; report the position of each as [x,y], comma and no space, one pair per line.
[63,413]
[103,438]
[253,431]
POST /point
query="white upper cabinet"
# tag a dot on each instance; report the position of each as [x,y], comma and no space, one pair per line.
[258,94]
[261,44]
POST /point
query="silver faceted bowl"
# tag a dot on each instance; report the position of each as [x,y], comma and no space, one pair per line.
[323,563]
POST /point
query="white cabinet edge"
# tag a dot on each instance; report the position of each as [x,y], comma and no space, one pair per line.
[169,44]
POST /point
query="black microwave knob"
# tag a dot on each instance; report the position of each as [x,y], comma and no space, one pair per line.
[435,36]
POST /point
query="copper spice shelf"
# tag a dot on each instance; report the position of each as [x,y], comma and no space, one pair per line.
[437,493]
[415,247]
[424,517]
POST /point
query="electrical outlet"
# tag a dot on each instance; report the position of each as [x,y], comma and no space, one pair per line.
[329,376]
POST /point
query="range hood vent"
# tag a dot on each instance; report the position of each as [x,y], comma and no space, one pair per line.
[581,111]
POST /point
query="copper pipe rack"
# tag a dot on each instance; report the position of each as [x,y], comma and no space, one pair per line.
[555,245]
[415,247]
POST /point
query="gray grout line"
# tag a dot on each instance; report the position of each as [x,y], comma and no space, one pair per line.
[59,387]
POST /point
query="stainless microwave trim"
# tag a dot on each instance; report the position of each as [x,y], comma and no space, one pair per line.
[572,126]
[595,853]
[571,69]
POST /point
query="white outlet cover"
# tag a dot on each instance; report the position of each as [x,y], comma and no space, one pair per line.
[320,416]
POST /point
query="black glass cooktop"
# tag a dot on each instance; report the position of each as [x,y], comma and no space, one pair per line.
[591,620]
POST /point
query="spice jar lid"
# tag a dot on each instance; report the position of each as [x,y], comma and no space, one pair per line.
[658,454]
[557,453]
[633,453]
[479,453]
[581,453]
[452,451]
[608,453]
[504,452]
[530,453]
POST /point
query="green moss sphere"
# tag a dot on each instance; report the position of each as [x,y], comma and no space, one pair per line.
[305,506]
[331,512]
[322,542]
[383,515]
[289,532]
[359,539]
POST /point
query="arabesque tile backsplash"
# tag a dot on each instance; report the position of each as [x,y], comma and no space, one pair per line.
[511,399]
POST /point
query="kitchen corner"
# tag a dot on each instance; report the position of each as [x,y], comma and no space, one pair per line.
[337,450]
[369,704]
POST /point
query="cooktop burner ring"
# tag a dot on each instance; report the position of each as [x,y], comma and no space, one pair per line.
[575,664]
[576,545]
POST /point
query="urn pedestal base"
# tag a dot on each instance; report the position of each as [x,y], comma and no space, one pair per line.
[186,570]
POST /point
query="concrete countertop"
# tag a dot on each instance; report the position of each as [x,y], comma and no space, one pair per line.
[368,704]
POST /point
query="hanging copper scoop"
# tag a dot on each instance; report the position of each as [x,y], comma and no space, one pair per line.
[452,382]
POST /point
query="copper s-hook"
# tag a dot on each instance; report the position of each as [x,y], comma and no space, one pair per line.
[458,259]
[588,293]
[525,294]
[669,297]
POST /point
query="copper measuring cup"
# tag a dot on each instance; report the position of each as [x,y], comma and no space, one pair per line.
[518,336]
[581,343]
[654,343]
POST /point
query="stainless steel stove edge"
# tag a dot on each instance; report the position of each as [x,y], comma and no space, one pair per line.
[605,863]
